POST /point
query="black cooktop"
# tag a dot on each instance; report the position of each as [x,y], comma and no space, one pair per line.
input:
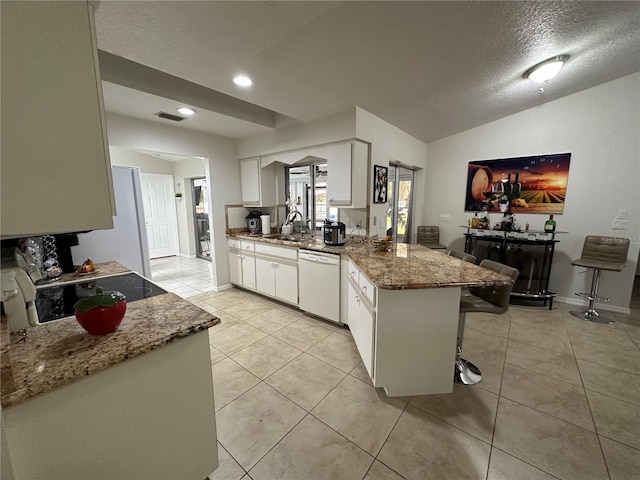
[57,301]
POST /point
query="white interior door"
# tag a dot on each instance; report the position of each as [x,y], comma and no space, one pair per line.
[160,214]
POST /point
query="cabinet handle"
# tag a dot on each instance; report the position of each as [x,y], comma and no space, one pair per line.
[364,288]
[352,273]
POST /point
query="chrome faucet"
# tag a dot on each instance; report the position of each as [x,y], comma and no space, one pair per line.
[292,216]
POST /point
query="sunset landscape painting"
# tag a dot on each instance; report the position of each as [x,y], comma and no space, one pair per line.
[536,184]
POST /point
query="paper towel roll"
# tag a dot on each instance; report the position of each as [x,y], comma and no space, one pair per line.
[266,224]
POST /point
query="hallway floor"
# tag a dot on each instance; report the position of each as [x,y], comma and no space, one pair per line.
[560,397]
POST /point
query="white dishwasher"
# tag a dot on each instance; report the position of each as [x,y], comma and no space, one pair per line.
[319,283]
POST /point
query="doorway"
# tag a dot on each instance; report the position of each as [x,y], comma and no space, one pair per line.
[160,214]
[400,196]
[200,195]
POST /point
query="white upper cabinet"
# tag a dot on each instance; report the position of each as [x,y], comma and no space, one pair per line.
[258,184]
[347,174]
[56,173]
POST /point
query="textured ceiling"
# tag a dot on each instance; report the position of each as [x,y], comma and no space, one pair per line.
[431,68]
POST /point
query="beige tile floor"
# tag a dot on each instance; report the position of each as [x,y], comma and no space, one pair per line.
[560,398]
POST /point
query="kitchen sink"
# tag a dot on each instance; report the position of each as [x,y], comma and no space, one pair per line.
[290,238]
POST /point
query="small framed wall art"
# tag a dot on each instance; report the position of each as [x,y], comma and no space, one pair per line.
[380,184]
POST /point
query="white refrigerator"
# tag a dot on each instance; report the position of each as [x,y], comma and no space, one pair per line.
[126,242]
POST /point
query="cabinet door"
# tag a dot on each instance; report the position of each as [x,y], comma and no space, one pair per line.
[56,173]
[265,276]
[339,175]
[250,181]
[362,326]
[286,282]
[235,268]
[347,177]
[249,271]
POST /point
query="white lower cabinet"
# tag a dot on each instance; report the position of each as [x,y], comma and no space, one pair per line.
[362,325]
[235,267]
[277,272]
[249,270]
[242,263]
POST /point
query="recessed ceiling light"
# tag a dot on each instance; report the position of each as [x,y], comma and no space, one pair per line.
[546,70]
[186,111]
[242,81]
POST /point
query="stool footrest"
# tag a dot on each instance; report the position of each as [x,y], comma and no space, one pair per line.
[591,297]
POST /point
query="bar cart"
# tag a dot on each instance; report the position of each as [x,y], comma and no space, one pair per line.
[531,252]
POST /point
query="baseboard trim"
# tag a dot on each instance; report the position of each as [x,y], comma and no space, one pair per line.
[599,306]
[222,288]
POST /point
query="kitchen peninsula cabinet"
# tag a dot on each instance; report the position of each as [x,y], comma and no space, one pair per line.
[258,184]
[56,172]
[347,174]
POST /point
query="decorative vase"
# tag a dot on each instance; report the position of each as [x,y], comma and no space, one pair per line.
[102,312]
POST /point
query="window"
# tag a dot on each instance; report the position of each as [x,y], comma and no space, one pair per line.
[307,187]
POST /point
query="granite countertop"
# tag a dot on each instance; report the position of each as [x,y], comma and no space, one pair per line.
[60,352]
[406,266]
[105,269]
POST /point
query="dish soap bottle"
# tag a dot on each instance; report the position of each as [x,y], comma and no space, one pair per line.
[550,225]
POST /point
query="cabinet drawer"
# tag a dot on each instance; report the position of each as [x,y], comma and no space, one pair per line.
[353,272]
[233,243]
[367,288]
[247,246]
[274,251]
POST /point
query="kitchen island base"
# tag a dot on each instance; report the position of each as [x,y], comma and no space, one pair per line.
[416,337]
[151,416]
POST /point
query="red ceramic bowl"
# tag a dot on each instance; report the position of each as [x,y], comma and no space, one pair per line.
[102,320]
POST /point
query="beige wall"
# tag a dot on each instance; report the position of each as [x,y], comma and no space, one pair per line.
[600,127]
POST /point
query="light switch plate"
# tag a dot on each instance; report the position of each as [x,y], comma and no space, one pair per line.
[622,214]
[444,217]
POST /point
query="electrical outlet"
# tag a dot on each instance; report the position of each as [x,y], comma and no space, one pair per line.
[619,225]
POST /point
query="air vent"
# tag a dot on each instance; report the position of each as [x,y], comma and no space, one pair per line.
[168,116]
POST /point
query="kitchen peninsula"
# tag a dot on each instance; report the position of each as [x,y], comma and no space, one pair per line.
[402,309]
[137,403]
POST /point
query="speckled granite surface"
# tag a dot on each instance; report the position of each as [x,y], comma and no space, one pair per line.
[405,267]
[105,269]
[60,352]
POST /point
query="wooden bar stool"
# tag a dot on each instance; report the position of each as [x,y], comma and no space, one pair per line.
[491,299]
[600,253]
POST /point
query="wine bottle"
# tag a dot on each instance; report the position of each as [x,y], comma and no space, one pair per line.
[550,225]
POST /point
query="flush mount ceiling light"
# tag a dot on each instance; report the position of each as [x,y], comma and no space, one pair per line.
[186,111]
[242,81]
[545,71]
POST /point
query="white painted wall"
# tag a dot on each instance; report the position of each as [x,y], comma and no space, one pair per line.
[601,128]
[390,144]
[331,128]
[222,170]
[146,163]
[183,171]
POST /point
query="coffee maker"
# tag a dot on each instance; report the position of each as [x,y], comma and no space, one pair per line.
[253,222]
